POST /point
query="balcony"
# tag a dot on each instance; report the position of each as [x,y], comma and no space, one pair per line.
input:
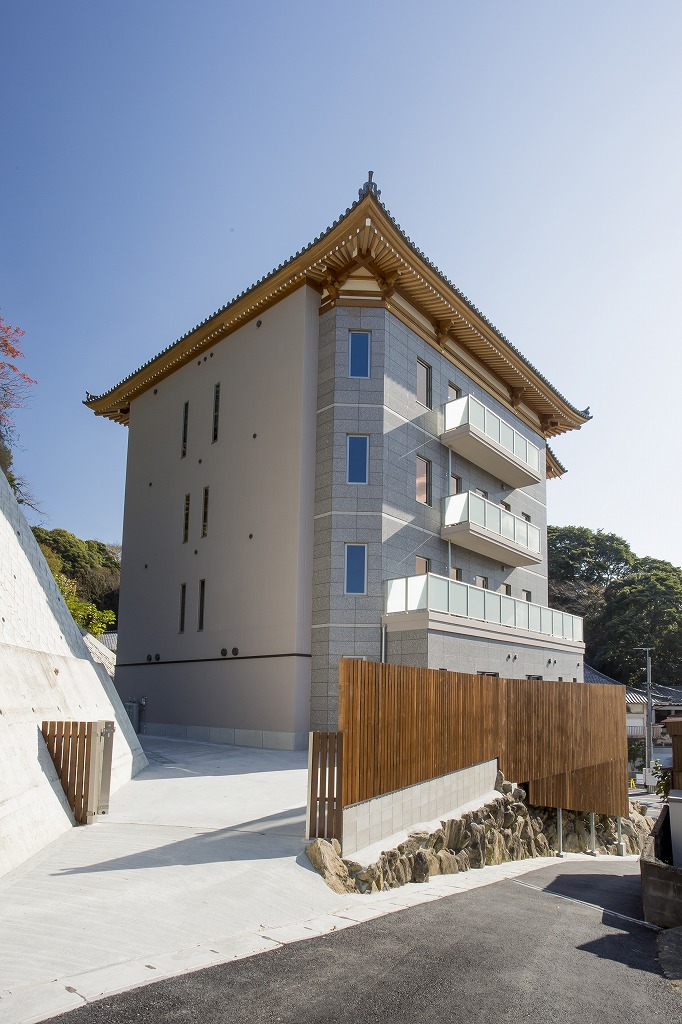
[450,597]
[477,524]
[482,437]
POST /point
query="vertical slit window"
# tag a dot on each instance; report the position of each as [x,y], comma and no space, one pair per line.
[423,492]
[183,601]
[185,521]
[216,411]
[424,384]
[355,575]
[202,597]
[357,459]
[185,422]
[204,514]
[358,354]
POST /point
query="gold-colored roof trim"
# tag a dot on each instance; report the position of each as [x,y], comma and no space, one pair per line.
[365,238]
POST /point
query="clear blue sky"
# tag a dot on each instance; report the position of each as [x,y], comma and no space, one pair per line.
[159,156]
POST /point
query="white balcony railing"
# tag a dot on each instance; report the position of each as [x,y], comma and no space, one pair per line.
[472,508]
[497,441]
[434,593]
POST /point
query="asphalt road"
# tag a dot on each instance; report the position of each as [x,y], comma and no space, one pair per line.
[520,950]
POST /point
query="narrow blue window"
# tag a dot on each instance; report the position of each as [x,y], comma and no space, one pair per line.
[357,459]
[356,569]
[358,354]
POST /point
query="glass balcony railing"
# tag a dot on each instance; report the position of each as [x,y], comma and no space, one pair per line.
[472,508]
[470,410]
[440,594]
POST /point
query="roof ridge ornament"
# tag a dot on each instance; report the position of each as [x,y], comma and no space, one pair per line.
[369,186]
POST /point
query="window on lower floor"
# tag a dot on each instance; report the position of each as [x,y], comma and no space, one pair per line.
[455,484]
[533,677]
[506,505]
[494,674]
[355,570]
[506,589]
[455,573]
[481,581]
[524,515]
[422,565]
[357,459]
[423,491]
[185,520]
[202,600]
[526,595]
[453,392]
[183,599]
[204,514]
[480,492]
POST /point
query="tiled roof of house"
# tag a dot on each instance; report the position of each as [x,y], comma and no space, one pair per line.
[661,696]
[368,189]
[592,675]
[109,640]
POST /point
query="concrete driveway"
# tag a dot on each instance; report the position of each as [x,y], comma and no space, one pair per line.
[199,862]
[546,949]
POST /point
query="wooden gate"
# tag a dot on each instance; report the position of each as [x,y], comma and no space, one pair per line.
[325,798]
[81,753]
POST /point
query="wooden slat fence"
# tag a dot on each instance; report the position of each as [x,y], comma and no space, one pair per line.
[325,772]
[81,753]
[405,725]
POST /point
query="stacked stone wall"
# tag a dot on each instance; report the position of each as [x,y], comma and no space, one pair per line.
[505,829]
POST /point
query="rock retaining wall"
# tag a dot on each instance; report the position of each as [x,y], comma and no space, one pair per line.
[505,829]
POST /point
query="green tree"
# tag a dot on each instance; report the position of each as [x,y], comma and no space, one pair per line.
[643,609]
[86,614]
[579,555]
[90,564]
[582,564]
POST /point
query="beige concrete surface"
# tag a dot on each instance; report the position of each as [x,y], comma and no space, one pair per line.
[200,861]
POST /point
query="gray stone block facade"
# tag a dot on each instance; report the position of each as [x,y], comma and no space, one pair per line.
[385,515]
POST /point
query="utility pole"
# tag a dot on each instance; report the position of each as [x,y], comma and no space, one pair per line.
[649,708]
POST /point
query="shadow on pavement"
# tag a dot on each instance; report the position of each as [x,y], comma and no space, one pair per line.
[621,894]
[632,945]
[269,838]
[171,759]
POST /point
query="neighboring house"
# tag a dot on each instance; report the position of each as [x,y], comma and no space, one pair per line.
[348,459]
[109,640]
[666,701]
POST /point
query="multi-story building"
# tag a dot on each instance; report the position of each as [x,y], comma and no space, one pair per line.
[348,459]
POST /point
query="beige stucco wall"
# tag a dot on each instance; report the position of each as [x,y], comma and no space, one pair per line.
[258,588]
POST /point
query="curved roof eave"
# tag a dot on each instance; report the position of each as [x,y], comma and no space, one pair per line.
[140,379]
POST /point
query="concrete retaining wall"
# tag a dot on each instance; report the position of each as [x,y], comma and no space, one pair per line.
[373,820]
[661,882]
[46,672]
